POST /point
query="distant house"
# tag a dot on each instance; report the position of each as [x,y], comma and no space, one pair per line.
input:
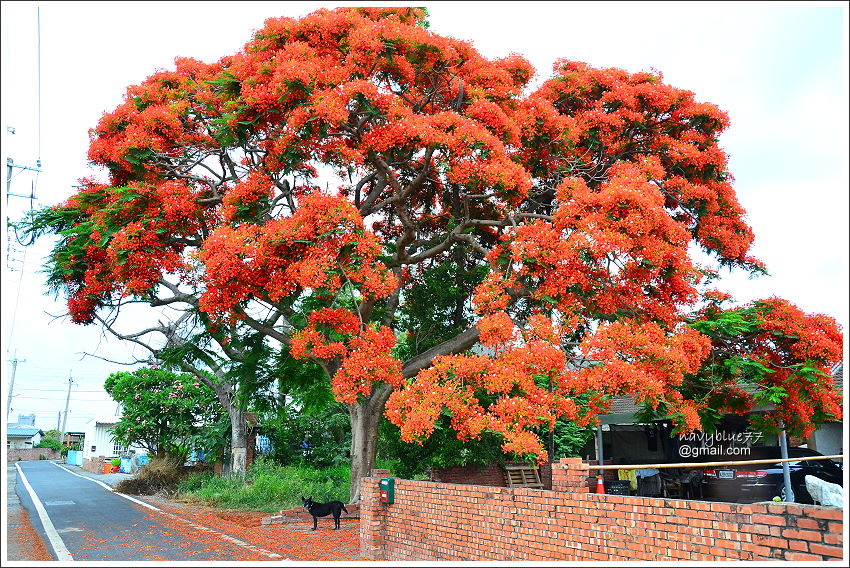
[99,441]
[73,438]
[22,436]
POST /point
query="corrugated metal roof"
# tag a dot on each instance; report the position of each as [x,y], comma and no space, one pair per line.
[623,405]
[22,431]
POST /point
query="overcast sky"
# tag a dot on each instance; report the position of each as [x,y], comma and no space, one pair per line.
[779,70]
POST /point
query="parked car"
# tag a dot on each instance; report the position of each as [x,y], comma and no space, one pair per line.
[763,482]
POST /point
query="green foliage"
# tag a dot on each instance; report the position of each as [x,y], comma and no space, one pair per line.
[164,412]
[729,323]
[569,439]
[269,486]
[213,440]
[325,431]
[435,308]
[441,449]
[301,379]
[50,443]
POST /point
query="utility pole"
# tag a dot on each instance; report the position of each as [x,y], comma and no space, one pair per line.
[14,363]
[67,400]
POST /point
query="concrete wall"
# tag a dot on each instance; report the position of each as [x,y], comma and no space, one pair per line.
[437,521]
[828,439]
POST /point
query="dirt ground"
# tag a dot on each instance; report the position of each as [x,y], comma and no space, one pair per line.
[294,541]
[23,542]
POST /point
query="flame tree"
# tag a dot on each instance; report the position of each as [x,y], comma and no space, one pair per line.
[306,188]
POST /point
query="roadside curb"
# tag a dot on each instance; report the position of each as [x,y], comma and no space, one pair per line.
[111,479]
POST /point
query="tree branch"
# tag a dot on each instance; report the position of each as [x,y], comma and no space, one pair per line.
[457,344]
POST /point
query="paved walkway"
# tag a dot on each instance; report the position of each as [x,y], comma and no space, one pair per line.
[294,541]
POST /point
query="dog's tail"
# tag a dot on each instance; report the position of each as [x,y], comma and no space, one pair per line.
[344,509]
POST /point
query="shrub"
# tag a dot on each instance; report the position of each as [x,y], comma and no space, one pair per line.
[50,443]
[159,476]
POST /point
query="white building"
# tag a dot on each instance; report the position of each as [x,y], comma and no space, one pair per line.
[99,440]
[22,436]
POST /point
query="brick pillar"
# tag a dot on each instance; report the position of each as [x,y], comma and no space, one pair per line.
[570,475]
[372,516]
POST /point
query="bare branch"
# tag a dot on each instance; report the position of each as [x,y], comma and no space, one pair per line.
[457,344]
[263,328]
[125,363]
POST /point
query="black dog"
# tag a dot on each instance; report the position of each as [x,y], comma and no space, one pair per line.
[323,510]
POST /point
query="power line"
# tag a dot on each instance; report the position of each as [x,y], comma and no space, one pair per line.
[58,398]
[60,390]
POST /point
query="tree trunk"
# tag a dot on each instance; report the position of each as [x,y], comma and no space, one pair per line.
[238,441]
[365,419]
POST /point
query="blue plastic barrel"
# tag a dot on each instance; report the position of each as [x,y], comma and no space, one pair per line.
[125,466]
[143,460]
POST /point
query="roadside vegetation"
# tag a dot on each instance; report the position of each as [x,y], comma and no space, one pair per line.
[269,486]
[308,456]
[51,440]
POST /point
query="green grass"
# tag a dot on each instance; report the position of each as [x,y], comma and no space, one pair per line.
[269,487]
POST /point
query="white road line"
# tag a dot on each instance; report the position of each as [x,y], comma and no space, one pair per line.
[49,530]
[236,541]
[83,476]
[134,500]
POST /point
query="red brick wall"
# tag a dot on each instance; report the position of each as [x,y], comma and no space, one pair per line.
[492,475]
[27,454]
[438,521]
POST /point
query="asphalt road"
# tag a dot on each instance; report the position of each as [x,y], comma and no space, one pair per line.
[82,519]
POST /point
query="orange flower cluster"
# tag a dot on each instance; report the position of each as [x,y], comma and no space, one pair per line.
[800,350]
[369,360]
[320,247]
[582,196]
[131,236]
[523,380]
